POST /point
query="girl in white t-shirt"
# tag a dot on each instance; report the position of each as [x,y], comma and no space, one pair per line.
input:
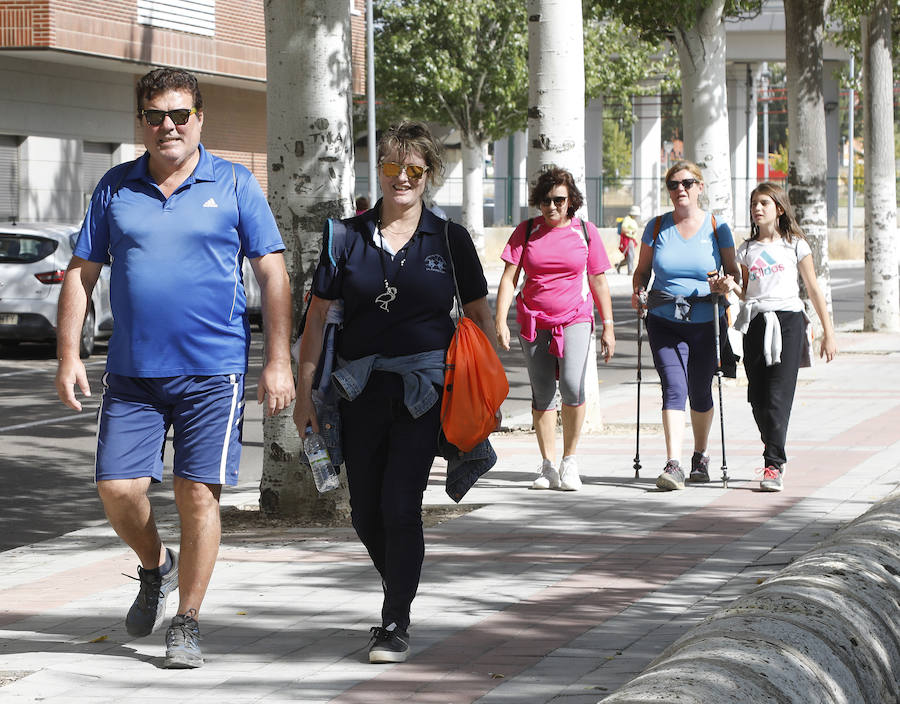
[773,319]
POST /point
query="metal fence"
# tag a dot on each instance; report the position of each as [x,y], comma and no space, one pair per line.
[506,200]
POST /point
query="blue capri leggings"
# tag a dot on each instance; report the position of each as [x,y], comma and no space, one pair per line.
[542,366]
[685,358]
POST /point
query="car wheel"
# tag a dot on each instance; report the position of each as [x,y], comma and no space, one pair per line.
[86,347]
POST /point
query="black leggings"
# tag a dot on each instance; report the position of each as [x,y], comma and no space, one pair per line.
[770,390]
[388,455]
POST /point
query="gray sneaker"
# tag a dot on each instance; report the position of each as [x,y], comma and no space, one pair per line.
[699,469]
[672,477]
[149,609]
[772,479]
[389,644]
[183,643]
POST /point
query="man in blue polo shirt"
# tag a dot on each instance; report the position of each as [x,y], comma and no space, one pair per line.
[175,225]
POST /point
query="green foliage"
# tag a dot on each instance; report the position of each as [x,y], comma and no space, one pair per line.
[780,162]
[466,64]
[844,16]
[617,61]
[616,153]
[656,20]
[459,64]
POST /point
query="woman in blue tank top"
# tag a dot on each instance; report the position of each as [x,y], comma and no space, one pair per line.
[679,249]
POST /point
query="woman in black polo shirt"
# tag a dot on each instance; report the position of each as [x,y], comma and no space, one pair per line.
[390,267]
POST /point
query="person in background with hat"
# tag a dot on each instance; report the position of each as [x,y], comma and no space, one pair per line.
[628,229]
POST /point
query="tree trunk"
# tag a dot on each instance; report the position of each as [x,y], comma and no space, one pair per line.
[556,122]
[882,309]
[473,189]
[807,157]
[310,150]
[701,54]
[555,88]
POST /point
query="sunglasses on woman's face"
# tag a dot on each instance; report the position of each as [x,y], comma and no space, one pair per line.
[180,116]
[557,201]
[686,182]
[392,169]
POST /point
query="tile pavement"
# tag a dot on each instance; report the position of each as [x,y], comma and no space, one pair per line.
[532,597]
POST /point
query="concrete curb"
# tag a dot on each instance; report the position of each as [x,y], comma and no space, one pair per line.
[826,629]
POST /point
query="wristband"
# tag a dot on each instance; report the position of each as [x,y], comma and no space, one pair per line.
[607,322]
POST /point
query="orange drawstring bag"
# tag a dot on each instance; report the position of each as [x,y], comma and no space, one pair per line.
[475,382]
[475,386]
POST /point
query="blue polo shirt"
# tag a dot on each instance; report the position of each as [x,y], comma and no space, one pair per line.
[175,265]
[353,267]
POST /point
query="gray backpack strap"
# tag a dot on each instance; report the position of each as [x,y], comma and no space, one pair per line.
[459,310]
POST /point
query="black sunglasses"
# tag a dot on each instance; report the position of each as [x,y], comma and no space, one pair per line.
[557,201]
[179,116]
[686,182]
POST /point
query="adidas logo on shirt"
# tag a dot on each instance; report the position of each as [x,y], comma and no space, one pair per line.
[764,266]
[211,203]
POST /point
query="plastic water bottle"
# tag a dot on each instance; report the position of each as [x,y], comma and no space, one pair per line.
[319,462]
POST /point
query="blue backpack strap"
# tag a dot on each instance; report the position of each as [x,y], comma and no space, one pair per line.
[334,239]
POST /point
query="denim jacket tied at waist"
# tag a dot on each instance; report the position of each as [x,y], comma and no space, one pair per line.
[683,304]
[420,372]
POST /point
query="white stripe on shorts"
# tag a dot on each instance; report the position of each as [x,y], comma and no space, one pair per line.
[234,405]
[103,381]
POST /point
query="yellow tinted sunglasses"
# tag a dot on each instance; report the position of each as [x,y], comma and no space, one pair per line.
[392,169]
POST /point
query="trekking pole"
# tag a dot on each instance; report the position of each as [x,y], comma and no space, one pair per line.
[642,297]
[719,377]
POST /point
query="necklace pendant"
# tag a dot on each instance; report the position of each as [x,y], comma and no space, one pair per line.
[385,299]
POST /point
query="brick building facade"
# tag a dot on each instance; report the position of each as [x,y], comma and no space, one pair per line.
[67,75]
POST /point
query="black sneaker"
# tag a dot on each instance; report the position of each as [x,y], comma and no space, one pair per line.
[699,469]
[672,476]
[389,644]
[149,609]
[183,643]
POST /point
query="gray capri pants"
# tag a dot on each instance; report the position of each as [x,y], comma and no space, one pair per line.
[542,366]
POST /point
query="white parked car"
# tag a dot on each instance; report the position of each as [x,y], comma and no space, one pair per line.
[33,261]
[254,297]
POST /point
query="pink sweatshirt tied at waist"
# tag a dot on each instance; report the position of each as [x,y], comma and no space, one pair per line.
[530,321]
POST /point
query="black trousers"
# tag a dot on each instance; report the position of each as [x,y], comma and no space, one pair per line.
[388,455]
[770,390]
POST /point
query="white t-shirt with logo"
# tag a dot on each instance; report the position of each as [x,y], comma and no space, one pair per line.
[773,272]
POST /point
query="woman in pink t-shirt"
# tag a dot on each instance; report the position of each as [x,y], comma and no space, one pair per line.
[564,262]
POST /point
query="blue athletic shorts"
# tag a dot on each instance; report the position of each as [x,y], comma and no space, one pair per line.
[206,414]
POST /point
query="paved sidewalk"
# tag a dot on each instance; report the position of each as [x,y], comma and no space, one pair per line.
[532,597]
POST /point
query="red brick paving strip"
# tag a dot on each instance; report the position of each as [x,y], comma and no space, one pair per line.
[517,638]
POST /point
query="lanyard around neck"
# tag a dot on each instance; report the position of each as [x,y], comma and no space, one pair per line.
[384,299]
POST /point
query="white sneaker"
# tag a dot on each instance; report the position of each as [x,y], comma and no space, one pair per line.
[568,474]
[548,478]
